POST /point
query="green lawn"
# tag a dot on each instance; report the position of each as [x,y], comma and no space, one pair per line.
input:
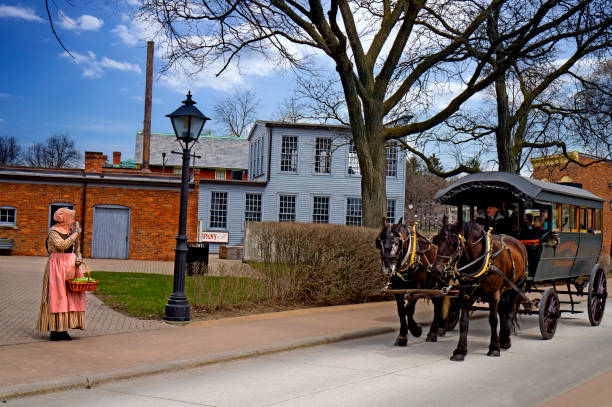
[145,295]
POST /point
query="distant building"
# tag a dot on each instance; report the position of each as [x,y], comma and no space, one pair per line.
[220,158]
[124,213]
[296,172]
[596,178]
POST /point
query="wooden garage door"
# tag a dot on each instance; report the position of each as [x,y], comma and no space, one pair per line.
[111,226]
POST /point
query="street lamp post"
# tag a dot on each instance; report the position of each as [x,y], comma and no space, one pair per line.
[187,122]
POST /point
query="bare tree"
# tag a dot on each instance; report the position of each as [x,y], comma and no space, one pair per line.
[10,151]
[237,112]
[58,151]
[535,98]
[387,54]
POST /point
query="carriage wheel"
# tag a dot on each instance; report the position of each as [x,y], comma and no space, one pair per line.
[549,313]
[454,313]
[598,292]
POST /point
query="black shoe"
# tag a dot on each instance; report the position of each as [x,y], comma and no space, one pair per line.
[55,336]
[64,336]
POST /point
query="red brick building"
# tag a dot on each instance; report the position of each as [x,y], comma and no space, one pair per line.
[596,178]
[124,212]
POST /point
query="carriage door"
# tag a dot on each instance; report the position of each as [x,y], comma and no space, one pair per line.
[111,227]
[590,243]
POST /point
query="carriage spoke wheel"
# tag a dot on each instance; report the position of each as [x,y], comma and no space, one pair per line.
[598,292]
[454,313]
[550,312]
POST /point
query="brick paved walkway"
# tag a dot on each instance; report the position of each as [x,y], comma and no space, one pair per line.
[20,291]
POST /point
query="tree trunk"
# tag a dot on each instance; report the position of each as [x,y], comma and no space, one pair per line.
[502,133]
[373,182]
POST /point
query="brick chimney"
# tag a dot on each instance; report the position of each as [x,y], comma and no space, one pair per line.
[94,161]
[116,157]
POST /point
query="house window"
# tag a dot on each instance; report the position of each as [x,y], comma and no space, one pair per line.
[391,153]
[261,156]
[218,210]
[237,175]
[353,211]
[323,155]
[252,209]
[286,209]
[353,161]
[54,207]
[390,211]
[289,154]
[320,209]
[220,175]
[8,216]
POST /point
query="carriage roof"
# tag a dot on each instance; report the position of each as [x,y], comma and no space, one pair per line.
[476,189]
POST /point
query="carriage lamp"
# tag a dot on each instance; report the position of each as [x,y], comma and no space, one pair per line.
[187,122]
[410,204]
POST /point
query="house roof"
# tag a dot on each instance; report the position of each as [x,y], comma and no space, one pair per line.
[215,151]
[122,178]
[484,187]
[310,126]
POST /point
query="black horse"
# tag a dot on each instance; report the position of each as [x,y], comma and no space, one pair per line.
[406,257]
[487,267]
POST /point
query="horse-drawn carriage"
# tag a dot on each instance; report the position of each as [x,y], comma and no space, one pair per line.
[550,256]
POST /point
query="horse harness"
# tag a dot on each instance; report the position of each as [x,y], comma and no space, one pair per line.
[474,280]
[409,247]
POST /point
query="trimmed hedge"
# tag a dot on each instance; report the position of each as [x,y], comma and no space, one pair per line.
[317,264]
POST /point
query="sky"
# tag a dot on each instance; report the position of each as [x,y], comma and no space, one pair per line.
[97,98]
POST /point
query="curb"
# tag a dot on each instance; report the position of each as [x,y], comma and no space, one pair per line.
[95,379]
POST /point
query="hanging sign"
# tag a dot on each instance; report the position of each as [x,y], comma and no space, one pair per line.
[214,237]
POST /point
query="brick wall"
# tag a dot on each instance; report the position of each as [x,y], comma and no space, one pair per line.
[153,222]
[595,178]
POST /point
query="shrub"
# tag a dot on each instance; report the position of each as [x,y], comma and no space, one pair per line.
[315,263]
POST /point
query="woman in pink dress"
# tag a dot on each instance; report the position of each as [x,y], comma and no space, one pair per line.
[61,309]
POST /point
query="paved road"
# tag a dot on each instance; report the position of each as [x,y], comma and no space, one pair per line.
[371,372]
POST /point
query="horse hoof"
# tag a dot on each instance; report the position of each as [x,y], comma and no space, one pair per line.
[493,353]
[401,342]
[441,331]
[416,331]
[431,338]
[505,345]
[457,357]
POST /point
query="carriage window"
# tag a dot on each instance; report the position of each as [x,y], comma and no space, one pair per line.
[556,217]
[574,218]
[565,219]
[598,220]
[582,212]
[512,214]
[466,213]
[590,220]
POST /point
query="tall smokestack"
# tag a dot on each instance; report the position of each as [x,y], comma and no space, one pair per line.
[146,130]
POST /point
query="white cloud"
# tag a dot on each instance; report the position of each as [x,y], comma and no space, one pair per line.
[23,13]
[94,68]
[121,66]
[135,32]
[85,22]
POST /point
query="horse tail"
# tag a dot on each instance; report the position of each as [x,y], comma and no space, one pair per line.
[445,307]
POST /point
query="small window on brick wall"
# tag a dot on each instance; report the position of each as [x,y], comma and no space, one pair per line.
[8,216]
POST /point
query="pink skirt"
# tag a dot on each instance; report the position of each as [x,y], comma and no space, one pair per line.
[62,267]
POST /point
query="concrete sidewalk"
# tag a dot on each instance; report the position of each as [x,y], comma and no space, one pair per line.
[41,367]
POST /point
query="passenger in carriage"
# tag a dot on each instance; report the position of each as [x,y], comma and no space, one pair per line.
[538,223]
[493,217]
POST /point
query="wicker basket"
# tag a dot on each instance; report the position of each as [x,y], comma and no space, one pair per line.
[80,286]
